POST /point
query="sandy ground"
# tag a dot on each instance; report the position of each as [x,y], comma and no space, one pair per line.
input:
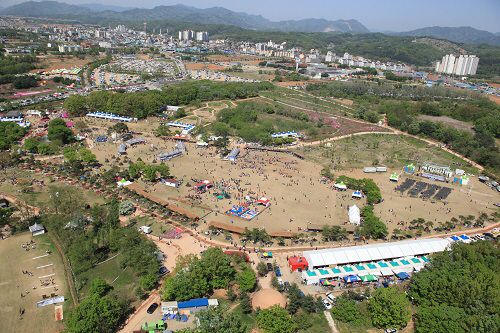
[51,63]
[293,186]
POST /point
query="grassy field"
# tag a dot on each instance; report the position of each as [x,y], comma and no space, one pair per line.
[13,282]
[393,151]
[123,281]
[158,228]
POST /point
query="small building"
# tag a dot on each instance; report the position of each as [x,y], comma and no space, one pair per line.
[145,229]
[171,182]
[37,229]
[233,155]
[297,263]
[394,177]
[122,148]
[357,194]
[381,169]
[169,307]
[369,169]
[191,306]
[179,145]
[169,155]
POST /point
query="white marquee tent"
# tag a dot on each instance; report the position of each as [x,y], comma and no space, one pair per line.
[354,215]
[374,252]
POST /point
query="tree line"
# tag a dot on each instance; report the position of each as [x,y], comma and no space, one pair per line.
[146,103]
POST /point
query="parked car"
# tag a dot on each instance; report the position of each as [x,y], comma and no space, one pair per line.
[287,285]
[152,308]
[163,270]
[280,281]
[331,297]
[480,237]
[269,267]
[326,304]
[391,330]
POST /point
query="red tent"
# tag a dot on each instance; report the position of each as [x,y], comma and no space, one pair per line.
[264,201]
[297,262]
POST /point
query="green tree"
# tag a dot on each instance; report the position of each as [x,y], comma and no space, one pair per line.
[60,131]
[99,287]
[96,315]
[345,310]
[261,268]
[76,105]
[441,319]
[217,265]
[148,281]
[247,278]
[31,145]
[126,207]
[230,294]
[120,127]
[294,298]
[163,130]
[276,320]
[217,320]
[389,307]
[245,303]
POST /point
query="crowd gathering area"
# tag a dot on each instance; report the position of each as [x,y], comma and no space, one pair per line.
[294,193]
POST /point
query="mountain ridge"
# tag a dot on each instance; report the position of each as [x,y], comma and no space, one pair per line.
[213,15]
[466,35]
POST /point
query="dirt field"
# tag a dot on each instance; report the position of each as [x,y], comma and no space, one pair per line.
[13,282]
[495,99]
[205,67]
[49,63]
[462,125]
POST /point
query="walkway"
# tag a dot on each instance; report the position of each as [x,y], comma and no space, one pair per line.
[329,318]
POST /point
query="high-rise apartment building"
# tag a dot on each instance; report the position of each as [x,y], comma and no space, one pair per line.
[462,65]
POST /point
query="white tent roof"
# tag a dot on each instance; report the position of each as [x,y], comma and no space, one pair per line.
[374,252]
[354,215]
[340,257]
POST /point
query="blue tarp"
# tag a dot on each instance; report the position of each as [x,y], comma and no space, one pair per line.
[455,238]
[197,302]
[464,237]
[403,275]
[351,278]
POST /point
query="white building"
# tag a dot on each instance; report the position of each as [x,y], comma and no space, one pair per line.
[462,65]
[202,36]
[70,48]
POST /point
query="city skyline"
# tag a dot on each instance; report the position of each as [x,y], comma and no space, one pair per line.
[381,15]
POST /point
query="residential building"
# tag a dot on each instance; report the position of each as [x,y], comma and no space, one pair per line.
[462,65]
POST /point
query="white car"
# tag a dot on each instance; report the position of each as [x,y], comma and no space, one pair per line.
[280,281]
[327,305]
[480,237]
[330,297]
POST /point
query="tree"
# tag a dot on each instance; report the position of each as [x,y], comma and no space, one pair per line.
[247,279]
[276,320]
[294,298]
[163,130]
[230,294]
[126,207]
[31,145]
[24,82]
[65,199]
[246,305]
[99,287]
[217,320]
[389,307]
[221,143]
[76,105]
[217,265]
[5,214]
[120,127]
[96,315]
[261,268]
[475,290]
[309,304]
[148,281]
[345,310]
[441,318]
[57,131]
[327,172]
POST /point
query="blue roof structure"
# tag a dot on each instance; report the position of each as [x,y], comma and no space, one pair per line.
[194,303]
[403,275]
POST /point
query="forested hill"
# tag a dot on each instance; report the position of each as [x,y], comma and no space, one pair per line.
[459,35]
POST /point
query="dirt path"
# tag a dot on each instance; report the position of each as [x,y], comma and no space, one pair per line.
[395,131]
[329,318]
[67,272]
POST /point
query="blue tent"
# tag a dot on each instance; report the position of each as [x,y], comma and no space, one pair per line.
[351,278]
[455,238]
[464,237]
[403,275]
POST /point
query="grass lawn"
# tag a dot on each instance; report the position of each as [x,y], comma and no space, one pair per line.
[123,281]
[158,228]
[16,259]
